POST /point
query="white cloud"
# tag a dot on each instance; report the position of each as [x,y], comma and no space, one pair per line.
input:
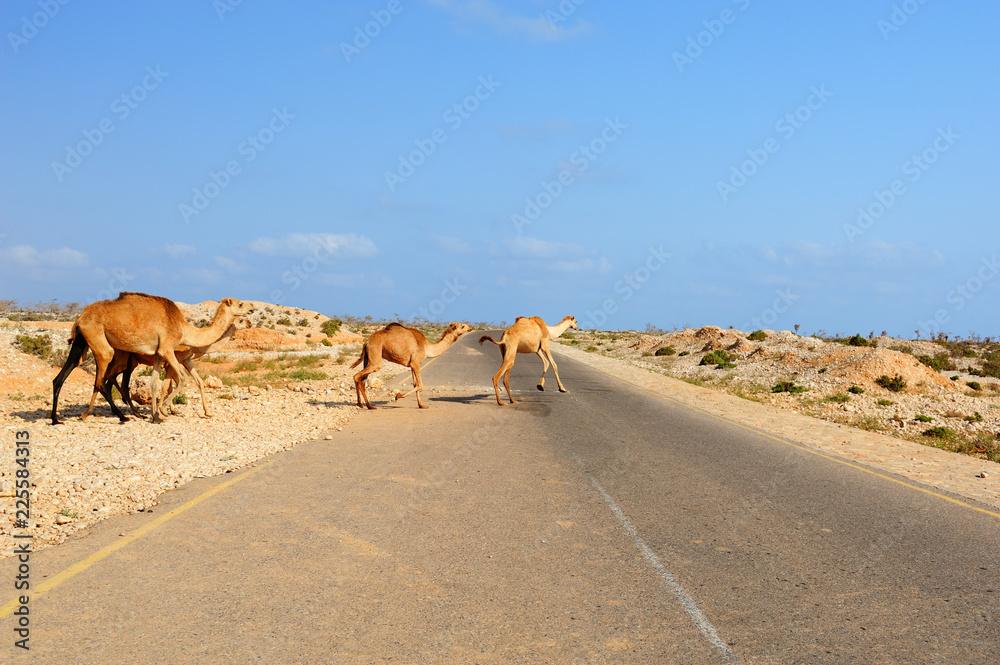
[526,247]
[452,245]
[178,251]
[505,22]
[26,256]
[308,244]
[229,265]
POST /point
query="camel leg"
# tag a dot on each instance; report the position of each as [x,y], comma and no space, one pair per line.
[506,384]
[416,379]
[555,370]
[201,386]
[124,389]
[104,356]
[545,368]
[76,354]
[418,385]
[178,371]
[373,362]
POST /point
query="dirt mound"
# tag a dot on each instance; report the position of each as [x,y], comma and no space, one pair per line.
[261,339]
[867,365]
[742,346]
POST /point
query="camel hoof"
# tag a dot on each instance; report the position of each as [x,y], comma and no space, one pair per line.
[424,406]
[123,419]
[563,390]
[540,387]
[399,396]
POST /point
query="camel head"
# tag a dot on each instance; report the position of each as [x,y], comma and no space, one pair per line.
[572,322]
[236,307]
[458,329]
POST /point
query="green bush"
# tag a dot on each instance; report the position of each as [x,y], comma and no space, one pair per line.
[895,384]
[717,357]
[885,402]
[302,323]
[974,385]
[331,327]
[757,336]
[975,417]
[839,398]
[36,345]
[326,342]
[787,387]
[683,353]
[940,361]
[939,432]
[822,370]
[284,321]
[921,418]
[858,340]
[856,390]
[665,351]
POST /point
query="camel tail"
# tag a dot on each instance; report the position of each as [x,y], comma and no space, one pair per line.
[487,337]
[364,357]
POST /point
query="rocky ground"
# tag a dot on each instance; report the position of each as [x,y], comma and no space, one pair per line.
[270,390]
[838,382]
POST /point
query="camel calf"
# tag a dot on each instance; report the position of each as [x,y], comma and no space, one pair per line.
[528,335]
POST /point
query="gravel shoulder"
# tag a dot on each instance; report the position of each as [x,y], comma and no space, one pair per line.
[940,469]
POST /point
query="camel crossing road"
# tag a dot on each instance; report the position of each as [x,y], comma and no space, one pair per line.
[604,525]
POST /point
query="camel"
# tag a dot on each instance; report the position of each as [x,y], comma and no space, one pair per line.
[528,335]
[403,346]
[144,324]
[125,363]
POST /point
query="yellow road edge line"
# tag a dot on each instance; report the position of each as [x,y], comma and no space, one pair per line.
[805,448]
[107,550]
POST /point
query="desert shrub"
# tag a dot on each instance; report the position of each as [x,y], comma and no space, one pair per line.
[331,327]
[885,402]
[857,340]
[757,336]
[939,433]
[940,361]
[895,384]
[921,418]
[974,385]
[180,398]
[35,345]
[787,387]
[839,398]
[683,353]
[284,321]
[969,353]
[665,351]
[302,323]
[976,417]
[822,369]
[856,390]
[326,342]
[718,358]
[591,348]
[902,348]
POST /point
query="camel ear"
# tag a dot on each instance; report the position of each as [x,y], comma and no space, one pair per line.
[228,302]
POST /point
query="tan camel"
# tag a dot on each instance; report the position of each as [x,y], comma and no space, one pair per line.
[124,363]
[528,335]
[403,346]
[144,324]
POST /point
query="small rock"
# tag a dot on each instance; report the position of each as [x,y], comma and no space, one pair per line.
[983,474]
[254,390]
[213,382]
[63,519]
[328,437]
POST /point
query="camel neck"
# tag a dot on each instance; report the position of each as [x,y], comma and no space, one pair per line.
[556,331]
[211,333]
[439,347]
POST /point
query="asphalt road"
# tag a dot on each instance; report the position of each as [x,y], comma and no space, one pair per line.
[605,525]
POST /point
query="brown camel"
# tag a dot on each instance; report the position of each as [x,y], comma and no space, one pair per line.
[403,346]
[528,335]
[125,363]
[139,323]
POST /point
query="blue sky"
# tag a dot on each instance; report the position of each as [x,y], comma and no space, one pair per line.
[741,163]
